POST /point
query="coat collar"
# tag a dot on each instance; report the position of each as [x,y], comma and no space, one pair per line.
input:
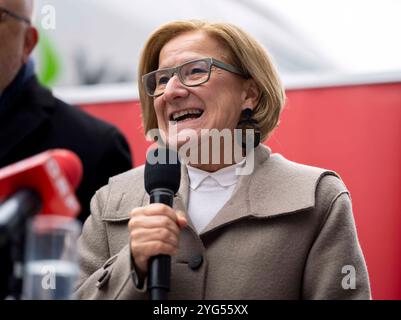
[276,187]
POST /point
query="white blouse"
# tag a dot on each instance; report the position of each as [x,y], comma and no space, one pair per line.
[208,193]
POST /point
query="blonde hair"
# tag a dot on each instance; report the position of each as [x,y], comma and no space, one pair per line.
[246,53]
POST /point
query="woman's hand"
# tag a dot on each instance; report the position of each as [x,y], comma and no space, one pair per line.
[154,230]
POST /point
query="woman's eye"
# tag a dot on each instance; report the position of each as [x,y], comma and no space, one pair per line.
[163,80]
[198,70]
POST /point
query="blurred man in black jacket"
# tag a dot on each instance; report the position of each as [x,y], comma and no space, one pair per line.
[32,120]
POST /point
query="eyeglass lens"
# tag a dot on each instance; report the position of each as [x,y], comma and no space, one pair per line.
[190,74]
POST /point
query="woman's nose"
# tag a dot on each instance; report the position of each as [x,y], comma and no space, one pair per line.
[175,89]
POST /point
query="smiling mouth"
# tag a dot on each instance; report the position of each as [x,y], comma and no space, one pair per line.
[186,115]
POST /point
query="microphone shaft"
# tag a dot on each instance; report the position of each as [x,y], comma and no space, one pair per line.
[160,266]
[15,210]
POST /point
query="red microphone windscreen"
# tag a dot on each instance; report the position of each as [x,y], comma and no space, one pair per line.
[53,174]
[70,164]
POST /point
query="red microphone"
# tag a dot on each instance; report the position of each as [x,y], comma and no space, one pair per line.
[44,184]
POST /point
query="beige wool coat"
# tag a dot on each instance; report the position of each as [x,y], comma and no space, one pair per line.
[287,232]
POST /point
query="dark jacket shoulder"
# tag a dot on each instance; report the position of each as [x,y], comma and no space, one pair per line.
[37,121]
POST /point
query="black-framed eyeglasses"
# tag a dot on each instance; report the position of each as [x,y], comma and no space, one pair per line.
[5,12]
[191,74]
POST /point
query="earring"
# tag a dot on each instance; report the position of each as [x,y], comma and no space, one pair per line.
[247,122]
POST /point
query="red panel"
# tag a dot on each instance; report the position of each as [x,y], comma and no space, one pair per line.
[353,130]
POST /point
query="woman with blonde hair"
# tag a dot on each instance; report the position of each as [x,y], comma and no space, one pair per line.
[283,231]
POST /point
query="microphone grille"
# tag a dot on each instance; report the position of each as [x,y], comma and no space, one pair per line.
[162,170]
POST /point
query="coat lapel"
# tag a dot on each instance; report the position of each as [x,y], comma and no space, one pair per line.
[181,201]
[238,207]
[131,193]
[276,187]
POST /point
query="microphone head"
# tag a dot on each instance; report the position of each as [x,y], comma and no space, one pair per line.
[70,164]
[162,170]
[53,174]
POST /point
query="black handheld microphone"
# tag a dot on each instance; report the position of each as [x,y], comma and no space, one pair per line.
[162,180]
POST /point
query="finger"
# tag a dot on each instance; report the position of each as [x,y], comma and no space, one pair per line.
[152,248]
[181,219]
[153,222]
[149,235]
[155,209]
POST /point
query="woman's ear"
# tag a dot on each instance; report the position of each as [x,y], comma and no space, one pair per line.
[251,94]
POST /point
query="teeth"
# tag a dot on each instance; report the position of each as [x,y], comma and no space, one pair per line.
[178,114]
